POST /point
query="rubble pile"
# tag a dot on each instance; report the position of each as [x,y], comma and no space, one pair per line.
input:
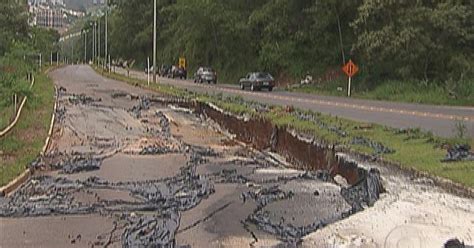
[366,192]
[44,196]
[378,148]
[256,106]
[82,99]
[288,233]
[154,150]
[182,192]
[144,103]
[229,176]
[321,124]
[164,123]
[79,164]
[151,231]
[60,114]
[266,195]
[459,153]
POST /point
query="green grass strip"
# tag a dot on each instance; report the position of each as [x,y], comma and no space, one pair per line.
[24,143]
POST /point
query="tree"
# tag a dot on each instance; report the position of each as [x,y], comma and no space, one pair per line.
[14,24]
[421,40]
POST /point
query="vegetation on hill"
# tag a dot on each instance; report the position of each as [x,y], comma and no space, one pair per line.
[419,42]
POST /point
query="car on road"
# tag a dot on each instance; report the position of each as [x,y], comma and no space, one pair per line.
[205,74]
[178,72]
[149,70]
[257,81]
[164,70]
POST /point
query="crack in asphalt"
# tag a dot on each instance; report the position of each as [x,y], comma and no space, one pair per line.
[206,218]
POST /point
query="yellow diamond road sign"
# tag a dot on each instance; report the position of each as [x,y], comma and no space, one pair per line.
[182,62]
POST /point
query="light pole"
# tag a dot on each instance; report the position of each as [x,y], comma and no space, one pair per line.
[98,42]
[85,46]
[154,41]
[106,29]
[72,51]
[93,41]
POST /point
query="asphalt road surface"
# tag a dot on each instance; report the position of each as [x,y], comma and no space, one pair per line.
[441,120]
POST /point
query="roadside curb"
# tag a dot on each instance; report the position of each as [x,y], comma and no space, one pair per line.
[51,126]
[13,185]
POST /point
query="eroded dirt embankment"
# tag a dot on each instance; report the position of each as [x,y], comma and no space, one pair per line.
[302,152]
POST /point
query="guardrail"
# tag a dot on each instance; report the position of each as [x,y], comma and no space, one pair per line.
[18,113]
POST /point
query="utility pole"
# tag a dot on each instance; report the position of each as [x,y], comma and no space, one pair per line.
[72,51]
[98,42]
[148,70]
[93,41]
[106,29]
[85,47]
[154,41]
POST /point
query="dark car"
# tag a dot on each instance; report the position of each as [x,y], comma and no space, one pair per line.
[257,81]
[205,74]
[178,72]
[164,70]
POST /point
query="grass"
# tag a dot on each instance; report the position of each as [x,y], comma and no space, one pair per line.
[399,91]
[413,150]
[23,144]
[6,115]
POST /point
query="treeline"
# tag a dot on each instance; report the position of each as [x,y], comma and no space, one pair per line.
[426,41]
[20,49]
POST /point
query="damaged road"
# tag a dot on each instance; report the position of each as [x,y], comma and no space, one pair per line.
[127,169]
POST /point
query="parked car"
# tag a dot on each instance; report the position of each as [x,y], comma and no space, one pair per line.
[178,72]
[257,81]
[205,74]
[164,70]
[149,69]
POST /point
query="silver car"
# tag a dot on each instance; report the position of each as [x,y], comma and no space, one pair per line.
[205,74]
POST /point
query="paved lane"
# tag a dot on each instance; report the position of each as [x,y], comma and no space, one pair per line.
[438,119]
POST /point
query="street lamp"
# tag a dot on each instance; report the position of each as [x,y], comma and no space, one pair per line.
[85,45]
[106,30]
[98,42]
[154,41]
[93,40]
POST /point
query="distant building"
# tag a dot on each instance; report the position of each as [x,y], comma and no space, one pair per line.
[47,17]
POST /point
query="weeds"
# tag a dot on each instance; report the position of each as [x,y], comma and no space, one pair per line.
[460,129]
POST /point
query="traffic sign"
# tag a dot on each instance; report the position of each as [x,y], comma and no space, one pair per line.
[182,63]
[350,69]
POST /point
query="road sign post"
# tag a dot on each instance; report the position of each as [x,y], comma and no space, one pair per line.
[154,41]
[350,69]
[182,62]
[148,70]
